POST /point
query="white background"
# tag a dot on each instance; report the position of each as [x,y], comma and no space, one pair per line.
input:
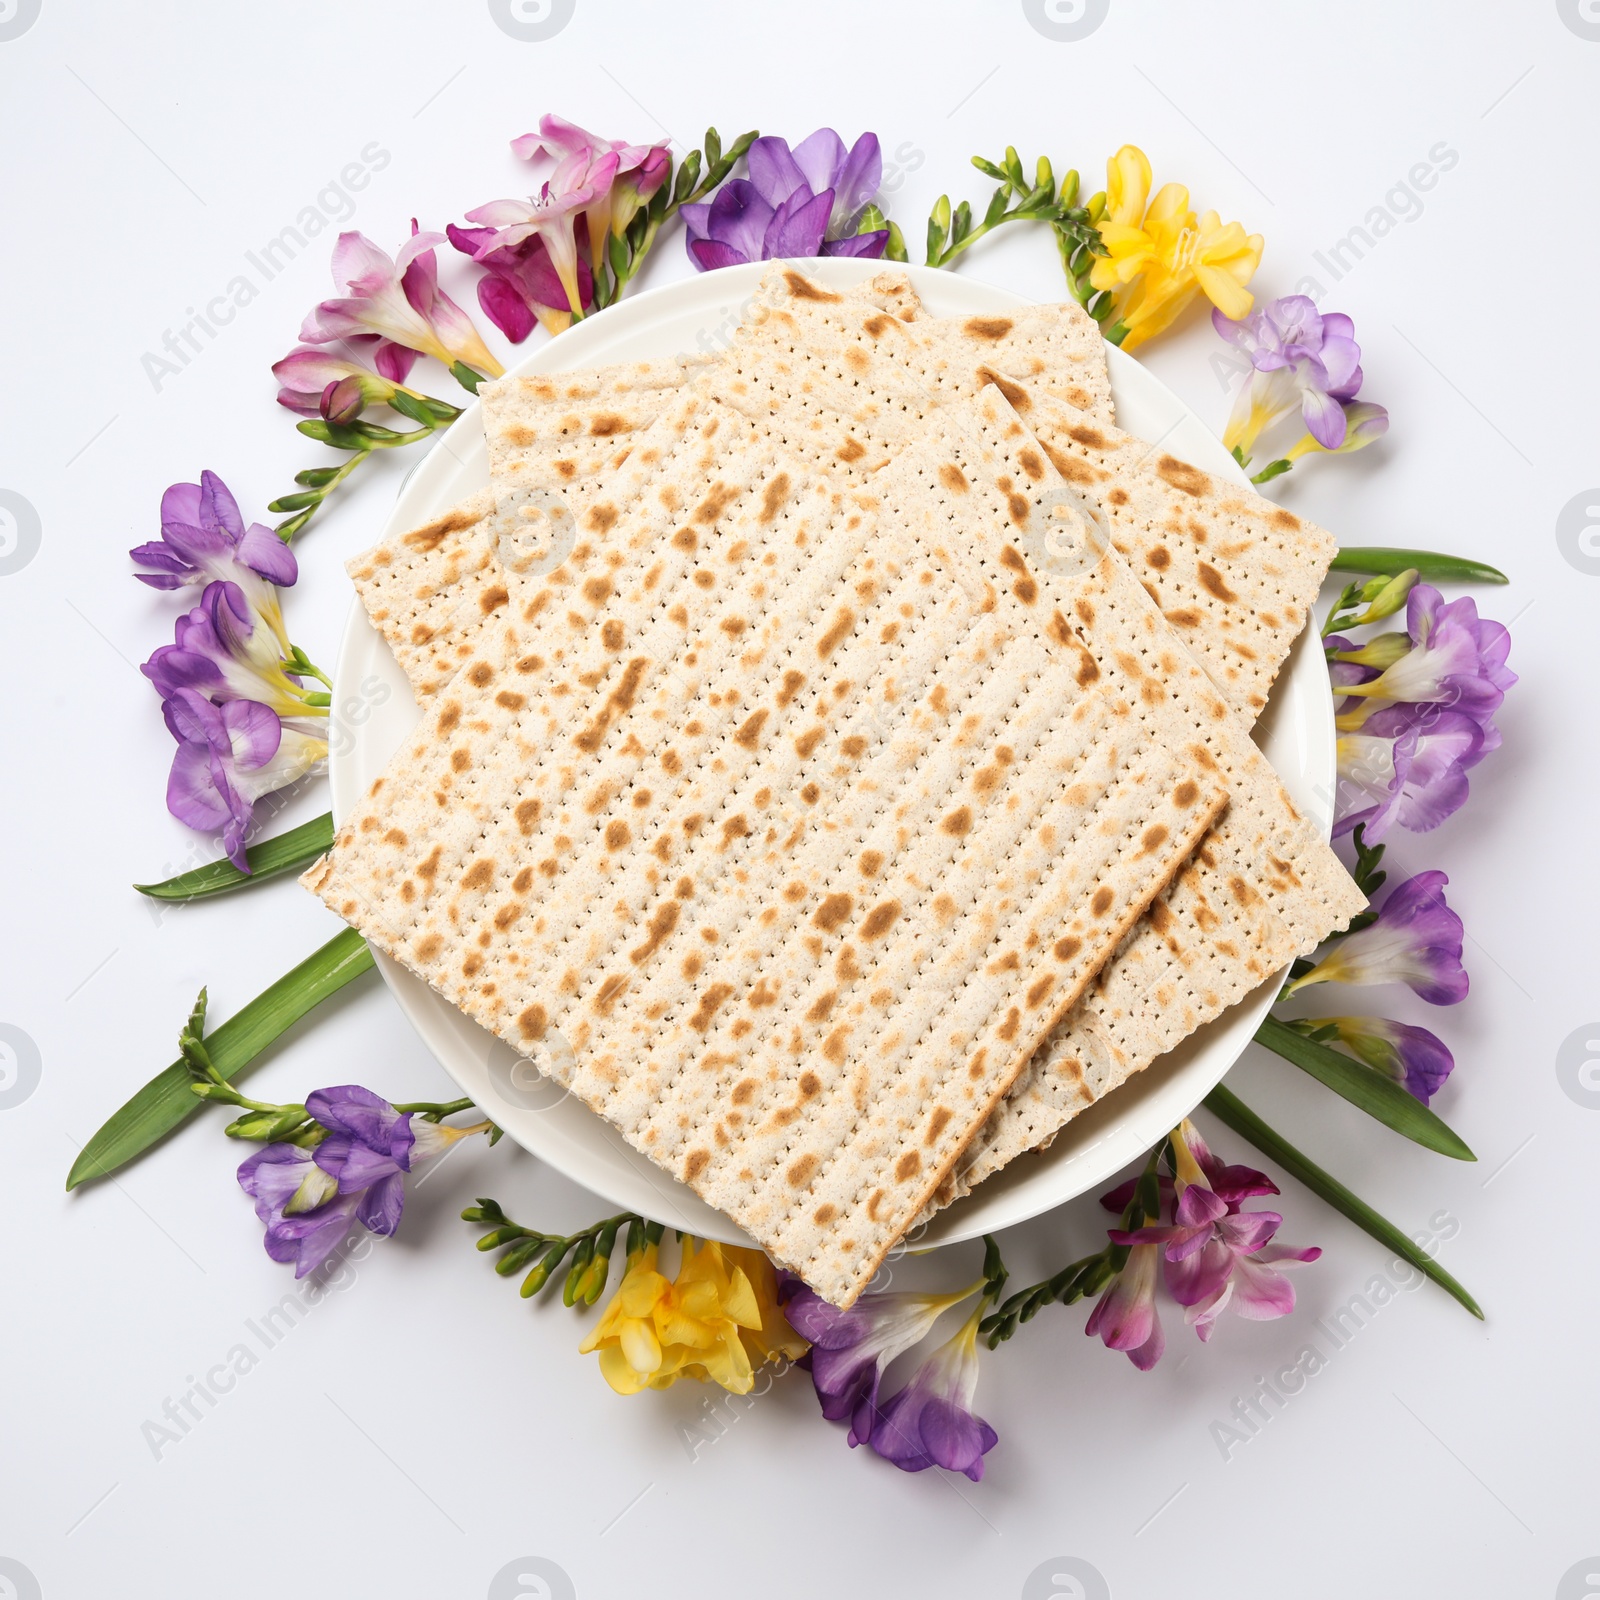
[422,1428]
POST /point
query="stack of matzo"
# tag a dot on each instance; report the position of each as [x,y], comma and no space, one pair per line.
[849,809]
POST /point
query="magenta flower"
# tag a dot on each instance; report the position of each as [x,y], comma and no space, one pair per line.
[1411,1056]
[581,182]
[1125,1316]
[1416,940]
[313,382]
[228,757]
[850,1349]
[520,285]
[639,171]
[309,1197]
[1298,358]
[1448,656]
[930,1422]
[795,203]
[398,303]
[1215,1254]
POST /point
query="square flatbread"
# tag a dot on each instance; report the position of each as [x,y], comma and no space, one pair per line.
[778,832]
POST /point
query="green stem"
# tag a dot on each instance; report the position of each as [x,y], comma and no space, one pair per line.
[1235,1114]
[433,1110]
[299,847]
[1386,561]
[1364,1087]
[167,1100]
[287,530]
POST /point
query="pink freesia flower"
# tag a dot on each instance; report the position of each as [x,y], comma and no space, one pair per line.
[1125,1314]
[308,375]
[398,302]
[578,184]
[639,171]
[520,285]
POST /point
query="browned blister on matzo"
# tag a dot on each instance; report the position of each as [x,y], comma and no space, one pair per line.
[796,831]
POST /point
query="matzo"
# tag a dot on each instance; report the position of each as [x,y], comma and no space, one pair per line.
[799,842]
[1262,889]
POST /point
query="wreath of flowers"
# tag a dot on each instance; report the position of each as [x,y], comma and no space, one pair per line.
[250,714]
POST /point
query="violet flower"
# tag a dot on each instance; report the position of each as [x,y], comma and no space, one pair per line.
[850,1349]
[520,286]
[230,648]
[228,757]
[399,302]
[1411,1056]
[930,1422]
[1447,656]
[1298,357]
[309,1197]
[795,203]
[1407,764]
[1416,940]
[204,539]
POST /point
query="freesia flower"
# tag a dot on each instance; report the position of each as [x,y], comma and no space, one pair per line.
[1215,1254]
[1454,658]
[308,1197]
[795,203]
[1412,1056]
[930,1422]
[1298,358]
[850,1349]
[520,285]
[229,649]
[1364,423]
[552,216]
[1407,764]
[1125,1316]
[309,376]
[706,1325]
[640,170]
[1160,255]
[400,302]
[228,757]
[1416,940]
[204,539]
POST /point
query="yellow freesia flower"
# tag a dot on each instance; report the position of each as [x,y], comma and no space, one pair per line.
[1161,255]
[712,1323]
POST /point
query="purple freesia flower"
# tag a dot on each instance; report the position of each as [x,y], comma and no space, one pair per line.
[1408,764]
[399,303]
[1412,1056]
[795,203]
[1416,940]
[520,286]
[1455,659]
[850,1349]
[930,1422]
[204,539]
[229,649]
[228,757]
[1298,357]
[309,1197]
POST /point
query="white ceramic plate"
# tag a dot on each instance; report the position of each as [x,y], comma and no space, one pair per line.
[374,711]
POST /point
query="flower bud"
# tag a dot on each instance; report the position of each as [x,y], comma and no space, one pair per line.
[342,401]
[276,1122]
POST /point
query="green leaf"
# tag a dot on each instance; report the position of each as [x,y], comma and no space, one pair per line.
[1381,559]
[1362,1086]
[409,405]
[166,1100]
[1229,1109]
[465,376]
[271,858]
